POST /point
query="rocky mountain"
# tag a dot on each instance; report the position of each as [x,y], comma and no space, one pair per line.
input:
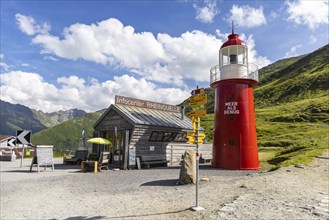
[15,117]
[55,118]
[67,134]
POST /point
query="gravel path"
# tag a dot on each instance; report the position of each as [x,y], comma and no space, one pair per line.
[66,193]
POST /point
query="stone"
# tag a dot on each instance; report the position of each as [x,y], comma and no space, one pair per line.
[205,179]
[299,166]
[188,168]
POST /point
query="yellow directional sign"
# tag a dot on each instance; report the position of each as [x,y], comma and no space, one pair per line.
[198,113]
[192,137]
[198,107]
[195,104]
[198,100]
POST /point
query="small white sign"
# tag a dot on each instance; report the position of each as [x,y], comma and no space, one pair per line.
[132,155]
[152,148]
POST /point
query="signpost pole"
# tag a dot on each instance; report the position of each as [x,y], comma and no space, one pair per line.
[22,156]
[196,120]
[197,163]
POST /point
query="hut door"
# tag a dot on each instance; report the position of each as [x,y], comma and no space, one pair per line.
[120,148]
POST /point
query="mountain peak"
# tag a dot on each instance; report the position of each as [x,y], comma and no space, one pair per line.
[19,117]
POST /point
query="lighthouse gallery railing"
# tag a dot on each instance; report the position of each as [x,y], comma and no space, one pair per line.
[251,72]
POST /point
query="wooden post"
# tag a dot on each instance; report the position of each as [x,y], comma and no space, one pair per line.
[22,156]
[96,167]
[125,163]
[172,155]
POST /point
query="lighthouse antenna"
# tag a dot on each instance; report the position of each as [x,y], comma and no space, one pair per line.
[232,26]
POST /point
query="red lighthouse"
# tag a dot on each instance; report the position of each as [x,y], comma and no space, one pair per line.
[235,139]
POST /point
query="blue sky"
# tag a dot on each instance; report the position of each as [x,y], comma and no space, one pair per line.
[58,55]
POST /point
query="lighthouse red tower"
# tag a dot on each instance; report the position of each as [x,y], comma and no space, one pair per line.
[235,139]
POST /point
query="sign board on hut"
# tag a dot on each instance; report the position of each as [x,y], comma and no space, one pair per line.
[121,100]
[43,157]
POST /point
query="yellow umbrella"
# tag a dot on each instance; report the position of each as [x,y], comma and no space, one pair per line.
[99,140]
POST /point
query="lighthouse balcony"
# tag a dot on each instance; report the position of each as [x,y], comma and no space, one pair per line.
[234,71]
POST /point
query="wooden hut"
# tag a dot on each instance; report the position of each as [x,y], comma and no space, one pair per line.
[144,132]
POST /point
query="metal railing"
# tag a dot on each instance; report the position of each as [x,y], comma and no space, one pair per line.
[251,73]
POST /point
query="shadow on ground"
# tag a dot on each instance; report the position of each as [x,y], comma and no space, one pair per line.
[168,182]
[85,218]
[146,215]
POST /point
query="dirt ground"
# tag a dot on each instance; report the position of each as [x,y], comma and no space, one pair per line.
[66,193]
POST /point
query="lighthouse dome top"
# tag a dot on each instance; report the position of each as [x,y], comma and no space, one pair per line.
[233,39]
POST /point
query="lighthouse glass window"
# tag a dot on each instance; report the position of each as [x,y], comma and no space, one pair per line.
[235,54]
[242,54]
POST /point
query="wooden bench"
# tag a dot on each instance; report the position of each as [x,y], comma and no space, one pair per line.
[148,160]
[80,155]
[104,160]
[97,165]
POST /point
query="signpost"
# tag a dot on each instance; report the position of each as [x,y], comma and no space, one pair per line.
[197,102]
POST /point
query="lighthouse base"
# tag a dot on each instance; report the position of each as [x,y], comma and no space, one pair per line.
[235,140]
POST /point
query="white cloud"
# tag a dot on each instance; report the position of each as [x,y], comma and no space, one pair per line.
[31,90]
[206,13]
[50,58]
[246,16]
[25,64]
[161,58]
[313,39]
[3,65]
[273,15]
[309,13]
[28,26]
[293,51]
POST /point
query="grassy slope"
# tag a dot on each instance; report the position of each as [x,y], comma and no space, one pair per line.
[66,135]
[303,77]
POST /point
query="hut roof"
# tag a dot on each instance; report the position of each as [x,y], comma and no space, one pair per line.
[145,116]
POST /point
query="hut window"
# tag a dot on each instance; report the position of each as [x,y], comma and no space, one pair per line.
[154,136]
[168,136]
[160,136]
[181,137]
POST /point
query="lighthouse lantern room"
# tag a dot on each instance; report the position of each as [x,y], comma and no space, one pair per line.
[235,138]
